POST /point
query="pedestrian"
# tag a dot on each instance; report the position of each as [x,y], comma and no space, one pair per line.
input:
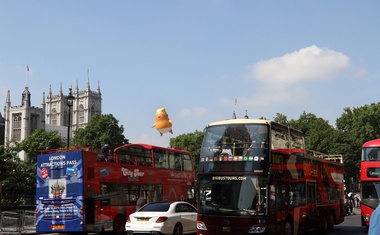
[346,205]
[357,200]
[105,151]
[351,202]
[374,225]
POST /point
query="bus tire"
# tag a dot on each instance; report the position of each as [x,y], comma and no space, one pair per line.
[178,229]
[288,227]
[324,225]
[119,224]
[331,222]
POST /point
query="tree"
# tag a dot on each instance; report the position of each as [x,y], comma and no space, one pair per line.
[102,129]
[280,118]
[358,125]
[18,179]
[39,140]
[191,142]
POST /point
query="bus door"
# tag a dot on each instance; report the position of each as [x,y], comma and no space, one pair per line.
[311,216]
[276,208]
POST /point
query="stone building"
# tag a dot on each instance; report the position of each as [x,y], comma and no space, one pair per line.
[20,121]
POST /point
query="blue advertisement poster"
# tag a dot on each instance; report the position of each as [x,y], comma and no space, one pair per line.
[59,192]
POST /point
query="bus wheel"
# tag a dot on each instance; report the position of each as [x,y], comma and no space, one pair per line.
[331,222]
[119,224]
[177,229]
[288,227]
[324,226]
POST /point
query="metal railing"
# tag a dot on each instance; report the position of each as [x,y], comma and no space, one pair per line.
[17,222]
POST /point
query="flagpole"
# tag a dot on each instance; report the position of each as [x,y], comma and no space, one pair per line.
[27,74]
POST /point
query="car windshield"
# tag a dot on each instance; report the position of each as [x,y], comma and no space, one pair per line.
[156,207]
[233,195]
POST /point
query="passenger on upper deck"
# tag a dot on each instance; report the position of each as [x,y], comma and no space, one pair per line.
[104,150]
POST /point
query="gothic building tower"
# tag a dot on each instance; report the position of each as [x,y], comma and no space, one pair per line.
[22,120]
[86,104]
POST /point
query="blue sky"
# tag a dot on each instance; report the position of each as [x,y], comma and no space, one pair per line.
[195,57]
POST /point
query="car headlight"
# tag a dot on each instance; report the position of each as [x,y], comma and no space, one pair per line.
[367,218]
[201,225]
[257,228]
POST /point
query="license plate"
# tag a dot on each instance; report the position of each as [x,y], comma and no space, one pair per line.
[142,219]
[57,226]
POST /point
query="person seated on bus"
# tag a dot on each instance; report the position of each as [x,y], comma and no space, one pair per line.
[373,155]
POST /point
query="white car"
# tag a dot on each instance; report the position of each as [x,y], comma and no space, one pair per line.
[163,218]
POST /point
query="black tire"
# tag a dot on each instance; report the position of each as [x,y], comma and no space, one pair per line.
[119,224]
[178,229]
[288,227]
[331,222]
[324,225]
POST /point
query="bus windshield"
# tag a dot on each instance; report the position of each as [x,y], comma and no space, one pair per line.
[237,147]
[233,195]
[371,154]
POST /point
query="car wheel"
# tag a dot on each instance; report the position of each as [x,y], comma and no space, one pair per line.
[177,229]
[119,224]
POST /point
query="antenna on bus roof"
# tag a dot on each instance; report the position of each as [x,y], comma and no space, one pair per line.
[246,115]
[234,115]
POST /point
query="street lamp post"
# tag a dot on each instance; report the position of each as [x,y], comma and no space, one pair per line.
[70,99]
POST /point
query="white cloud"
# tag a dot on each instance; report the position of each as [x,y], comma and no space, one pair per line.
[308,64]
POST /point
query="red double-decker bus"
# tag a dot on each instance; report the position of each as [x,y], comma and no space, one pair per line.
[77,191]
[255,176]
[370,179]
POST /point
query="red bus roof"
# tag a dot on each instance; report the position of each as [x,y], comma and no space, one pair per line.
[372,143]
[148,146]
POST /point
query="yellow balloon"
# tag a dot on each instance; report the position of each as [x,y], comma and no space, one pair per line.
[163,123]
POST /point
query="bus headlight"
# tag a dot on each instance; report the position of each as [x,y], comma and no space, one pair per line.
[367,218]
[201,225]
[257,228]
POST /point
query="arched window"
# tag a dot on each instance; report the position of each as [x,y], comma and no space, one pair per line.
[17,126]
[54,117]
[81,113]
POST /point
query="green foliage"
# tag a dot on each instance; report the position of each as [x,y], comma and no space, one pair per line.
[280,118]
[359,125]
[191,142]
[39,140]
[18,179]
[101,129]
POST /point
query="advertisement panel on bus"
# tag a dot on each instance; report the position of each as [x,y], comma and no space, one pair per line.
[60,198]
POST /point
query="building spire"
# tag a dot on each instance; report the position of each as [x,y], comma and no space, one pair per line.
[76,88]
[88,80]
[60,90]
[8,100]
[43,101]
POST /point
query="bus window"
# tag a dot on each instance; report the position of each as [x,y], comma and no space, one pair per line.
[160,159]
[297,195]
[187,164]
[125,159]
[297,143]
